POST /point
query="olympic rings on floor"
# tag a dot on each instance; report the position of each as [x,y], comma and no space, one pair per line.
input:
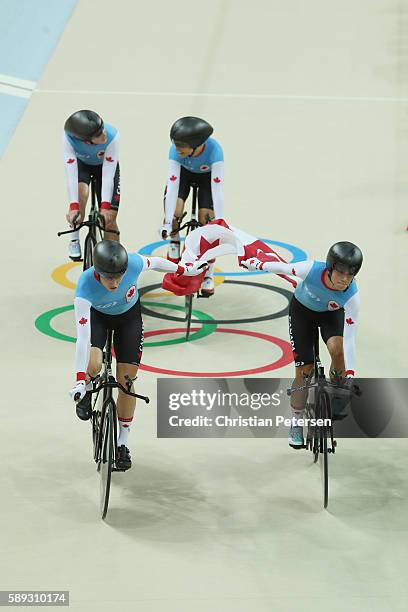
[285,359]
[277,315]
[298,254]
[43,324]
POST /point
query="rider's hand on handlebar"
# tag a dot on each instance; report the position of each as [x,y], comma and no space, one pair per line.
[73,216]
[78,392]
[165,231]
[252,264]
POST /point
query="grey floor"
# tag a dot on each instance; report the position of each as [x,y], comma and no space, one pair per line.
[310,103]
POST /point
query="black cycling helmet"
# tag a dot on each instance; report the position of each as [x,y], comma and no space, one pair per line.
[84,124]
[110,258]
[344,257]
[190,132]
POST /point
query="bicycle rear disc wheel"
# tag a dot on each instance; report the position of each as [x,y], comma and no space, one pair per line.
[323,454]
[106,462]
[189,312]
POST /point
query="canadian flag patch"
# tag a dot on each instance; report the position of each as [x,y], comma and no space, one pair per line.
[204,168]
[130,293]
[332,305]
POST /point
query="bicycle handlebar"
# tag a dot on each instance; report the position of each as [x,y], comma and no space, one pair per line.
[354,389]
[114,384]
[89,224]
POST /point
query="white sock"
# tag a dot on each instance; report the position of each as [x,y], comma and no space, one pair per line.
[124,428]
[296,413]
[74,235]
[210,271]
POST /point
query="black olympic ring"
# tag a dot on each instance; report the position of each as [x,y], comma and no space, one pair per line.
[277,315]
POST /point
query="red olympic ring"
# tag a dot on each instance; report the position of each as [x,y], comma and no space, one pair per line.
[284,360]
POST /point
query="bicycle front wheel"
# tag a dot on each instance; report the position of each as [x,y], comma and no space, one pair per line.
[88,249]
[324,432]
[106,459]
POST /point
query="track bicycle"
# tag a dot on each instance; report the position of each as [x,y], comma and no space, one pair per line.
[104,423]
[320,436]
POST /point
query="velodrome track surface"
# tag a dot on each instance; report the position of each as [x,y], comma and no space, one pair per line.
[309,104]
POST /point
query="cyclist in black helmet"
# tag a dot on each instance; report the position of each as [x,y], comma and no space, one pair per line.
[107,298]
[327,298]
[91,149]
[194,157]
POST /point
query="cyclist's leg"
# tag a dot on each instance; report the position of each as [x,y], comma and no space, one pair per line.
[332,325]
[205,215]
[111,214]
[332,334]
[128,343]
[302,329]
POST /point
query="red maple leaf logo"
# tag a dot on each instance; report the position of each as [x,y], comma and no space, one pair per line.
[71,160]
[131,292]
[173,178]
[205,245]
[217,180]
[83,321]
[109,159]
[349,321]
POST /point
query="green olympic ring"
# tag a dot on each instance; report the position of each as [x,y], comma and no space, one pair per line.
[43,324]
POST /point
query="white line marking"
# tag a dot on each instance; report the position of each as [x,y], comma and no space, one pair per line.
[6,79]
[13,91]
[224,95]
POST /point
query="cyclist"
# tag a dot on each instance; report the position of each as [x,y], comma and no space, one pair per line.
[91,149]
[107,298]
[194,158]
[326,298]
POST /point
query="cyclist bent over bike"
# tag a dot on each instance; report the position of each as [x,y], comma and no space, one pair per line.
[194,158]
[326,298]
[91,149]
[107,298]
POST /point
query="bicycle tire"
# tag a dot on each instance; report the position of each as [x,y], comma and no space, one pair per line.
[88,248]
[323,449]
[106,463]
[96,426]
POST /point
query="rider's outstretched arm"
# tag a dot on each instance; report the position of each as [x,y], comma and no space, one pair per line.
[71,172]
[351,310]
[173,182]
[164,265]
[110,162]
[82,310]
[217,188]
[300,269]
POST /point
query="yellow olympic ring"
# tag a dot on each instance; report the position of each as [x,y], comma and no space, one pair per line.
[59,275]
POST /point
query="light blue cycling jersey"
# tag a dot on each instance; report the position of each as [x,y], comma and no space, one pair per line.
[111,302]
[92,154]
[202,163]
[314,294]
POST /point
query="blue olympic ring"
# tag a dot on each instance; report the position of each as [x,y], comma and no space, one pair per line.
[298,255]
